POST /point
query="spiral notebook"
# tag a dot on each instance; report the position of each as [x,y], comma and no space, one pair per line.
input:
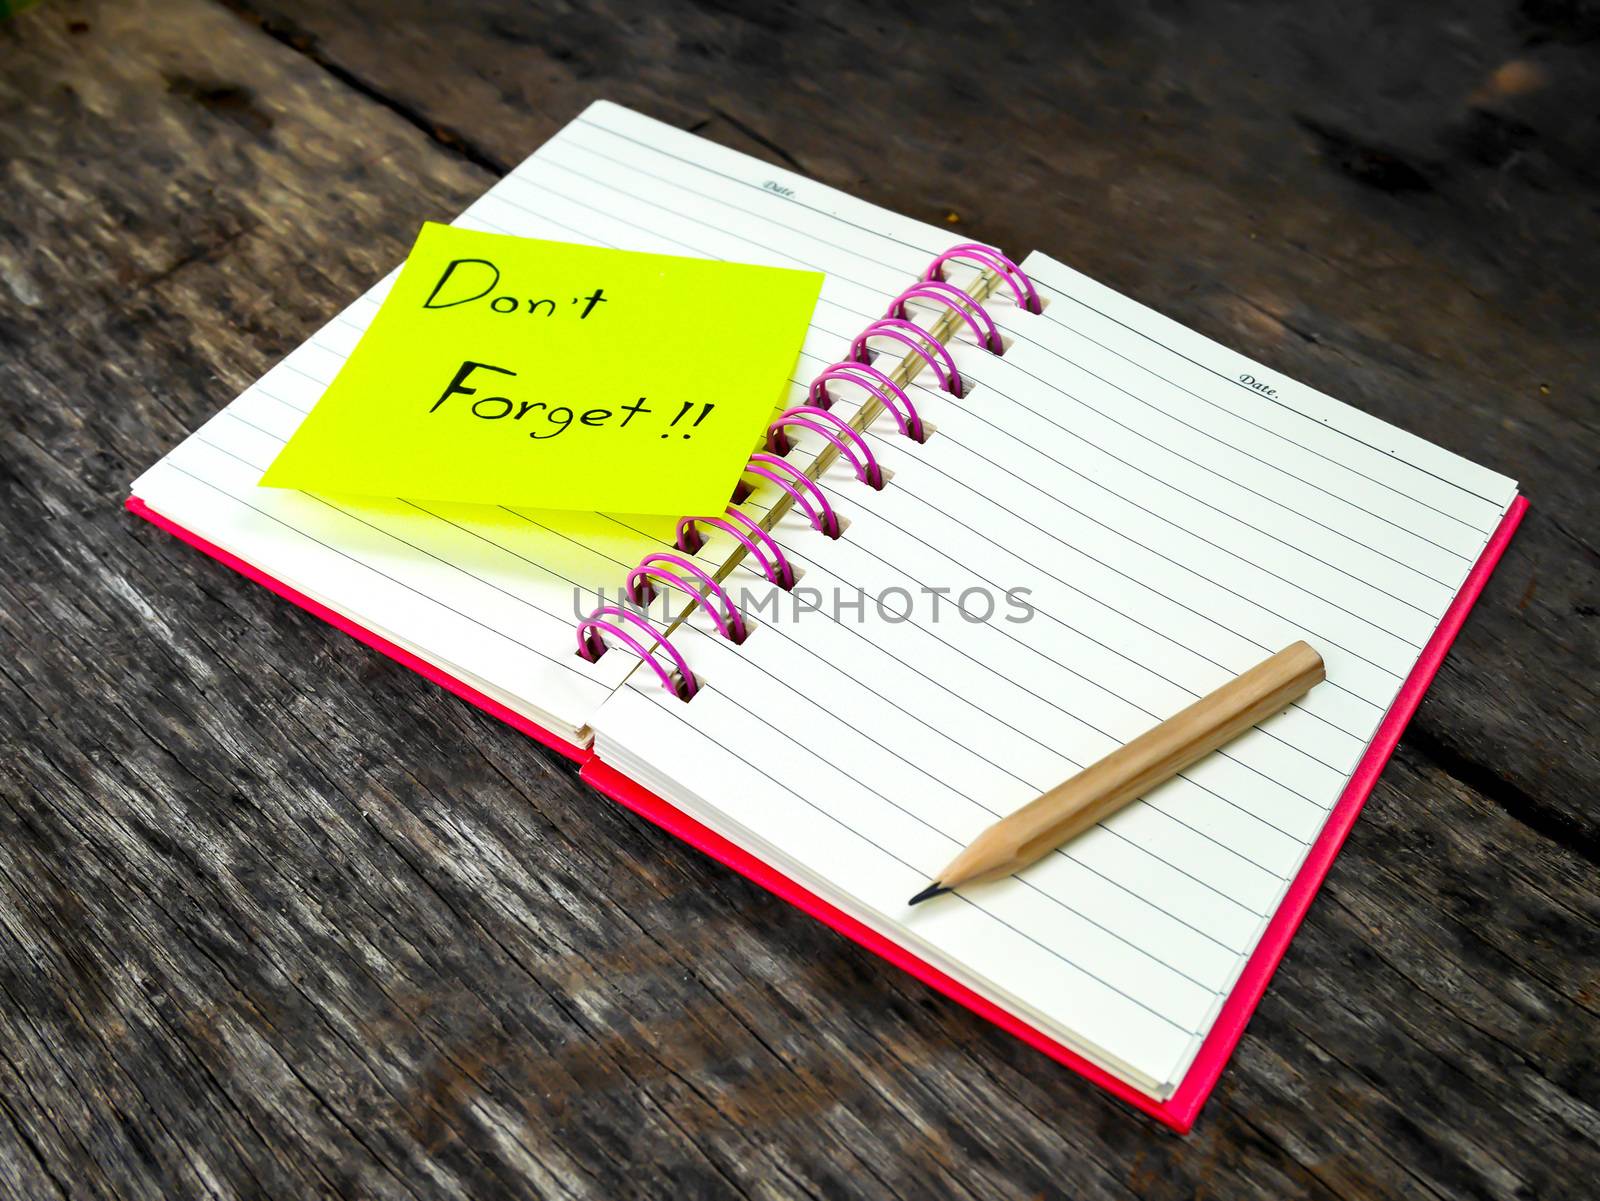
[984,545]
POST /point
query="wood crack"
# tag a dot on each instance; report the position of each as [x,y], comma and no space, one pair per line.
[761,140]
[1567,829]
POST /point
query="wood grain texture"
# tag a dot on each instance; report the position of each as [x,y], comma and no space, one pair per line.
[279,919]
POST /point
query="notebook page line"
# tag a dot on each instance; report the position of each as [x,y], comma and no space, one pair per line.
[1051,898]
[1093,681]
[664,243]
[1071,294]
[890,281]
[985,384]
[1060,762]
[491,628]
[1096,540]
[1410,568]
[1039,782]
[1261,459]
[1033,563]
[565,620]
[1100,746]
[738,210]
[1216,582]
[946,841]
[609,120]
[802,807]
[980,418]
[906,486]
[797,552]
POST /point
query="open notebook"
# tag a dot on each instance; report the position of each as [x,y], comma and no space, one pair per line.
[1113,517]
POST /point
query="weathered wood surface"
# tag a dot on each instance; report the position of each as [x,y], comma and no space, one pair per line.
[277,918]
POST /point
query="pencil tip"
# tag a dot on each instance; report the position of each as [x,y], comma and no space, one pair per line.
[932,890]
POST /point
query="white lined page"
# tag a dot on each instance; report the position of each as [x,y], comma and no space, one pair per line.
[487,593]
[1169,544]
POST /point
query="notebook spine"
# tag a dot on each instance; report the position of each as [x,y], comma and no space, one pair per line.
[634,631]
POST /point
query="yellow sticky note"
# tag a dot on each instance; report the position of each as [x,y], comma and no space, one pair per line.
[505,370]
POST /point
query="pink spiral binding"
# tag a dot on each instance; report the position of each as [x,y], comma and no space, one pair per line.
[800,486]
[865,375]
[933,352]
[818,422]
[640,590]
[786,576]
[953,298]
[591,645]
[776,569]
[989,257]
[805,491]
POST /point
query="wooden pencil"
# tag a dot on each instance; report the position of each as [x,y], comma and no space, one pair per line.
[1132,770]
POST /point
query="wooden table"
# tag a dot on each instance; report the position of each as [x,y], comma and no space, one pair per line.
[278,918]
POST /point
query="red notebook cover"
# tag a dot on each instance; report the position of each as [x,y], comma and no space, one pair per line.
[1178,1111]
